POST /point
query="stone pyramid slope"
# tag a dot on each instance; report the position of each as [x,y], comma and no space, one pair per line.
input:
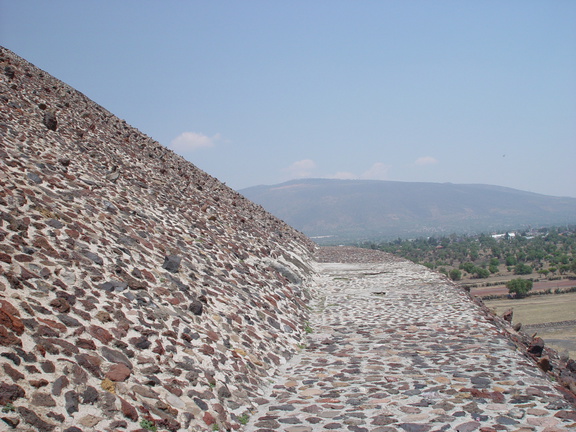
[134,287]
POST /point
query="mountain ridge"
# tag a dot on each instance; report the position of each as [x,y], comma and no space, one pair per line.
[357,210]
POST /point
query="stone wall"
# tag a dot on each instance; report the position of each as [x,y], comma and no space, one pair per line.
[133,286]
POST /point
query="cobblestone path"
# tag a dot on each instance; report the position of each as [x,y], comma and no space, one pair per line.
[395,347]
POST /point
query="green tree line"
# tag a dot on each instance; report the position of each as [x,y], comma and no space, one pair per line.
[544,252]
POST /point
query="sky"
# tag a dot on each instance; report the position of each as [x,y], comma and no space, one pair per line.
[264,91]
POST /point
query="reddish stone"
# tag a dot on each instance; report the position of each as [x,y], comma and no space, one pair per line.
[26,274]
[128,410]
[68,348]
[536,347]
[544,364]
[86,344]
[496,397]
[60,304]
[12,373]
[39,383]
[147,275]
[100,333]
[42,243]
[289,324]
[174,301]
[566,415]
[274,358]
[45,331]
[72,233]
[207,349]
[23,258]
[209,418]
[55,325]
[8,307]
[5,258]
[118,372]
[218,408]
[174,390]
[159,349]
[7,338]
[236,318]
[213,335]
[9,317]
[10,392]
[90,363]
[272,301]
[88,305]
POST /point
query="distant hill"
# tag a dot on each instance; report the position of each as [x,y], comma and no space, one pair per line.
[347,211]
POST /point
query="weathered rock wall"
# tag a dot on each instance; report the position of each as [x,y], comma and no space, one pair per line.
[133,286]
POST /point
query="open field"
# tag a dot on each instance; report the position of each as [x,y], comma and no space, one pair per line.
[542,285]
[548,309]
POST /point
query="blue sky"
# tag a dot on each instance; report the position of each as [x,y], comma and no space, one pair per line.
[259,92]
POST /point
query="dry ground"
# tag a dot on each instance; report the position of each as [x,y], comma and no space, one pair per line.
[545,309]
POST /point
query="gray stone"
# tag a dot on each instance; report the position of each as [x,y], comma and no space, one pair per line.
[415,427]
[33,419]
[505,420]
[172,263]
[94,257]
[115,356]
[113,286]
[50,120]
[59,384]
[34,177]
[72,402]
[42,399]
[467,427]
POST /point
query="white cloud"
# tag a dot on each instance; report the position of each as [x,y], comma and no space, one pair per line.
[301,169]
[377,171]
[425,160]
[190,141]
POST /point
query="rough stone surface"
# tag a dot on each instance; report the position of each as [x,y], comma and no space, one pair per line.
[396,347]
[131,282]
[135,286]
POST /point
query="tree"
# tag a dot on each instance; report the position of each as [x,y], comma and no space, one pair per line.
[519,287]
[481,273]
[522,269]
[455,274]
[511,260]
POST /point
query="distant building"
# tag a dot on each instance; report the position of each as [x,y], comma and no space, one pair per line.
[500,236]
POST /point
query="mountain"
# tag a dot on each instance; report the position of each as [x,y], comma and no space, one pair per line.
[133,285]
[335,211]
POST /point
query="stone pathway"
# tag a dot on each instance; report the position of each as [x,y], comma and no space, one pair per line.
[395,347]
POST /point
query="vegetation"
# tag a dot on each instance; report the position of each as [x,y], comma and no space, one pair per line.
[148,425]
[519,287]
[9,407]
[544,252]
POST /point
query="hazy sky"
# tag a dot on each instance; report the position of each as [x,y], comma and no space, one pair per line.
[259,92]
